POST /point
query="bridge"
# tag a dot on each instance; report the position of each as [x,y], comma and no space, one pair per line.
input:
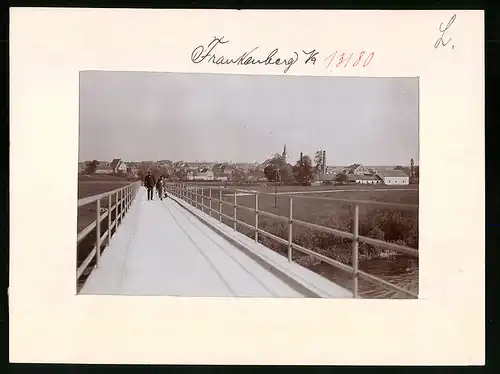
[188,245]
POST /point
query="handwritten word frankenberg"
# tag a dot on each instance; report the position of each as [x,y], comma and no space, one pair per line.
[440,41]
[207,53]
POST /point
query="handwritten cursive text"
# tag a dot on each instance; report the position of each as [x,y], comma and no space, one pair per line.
[202,53]
[440,41]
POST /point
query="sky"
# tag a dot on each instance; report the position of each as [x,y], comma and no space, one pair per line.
[141,116]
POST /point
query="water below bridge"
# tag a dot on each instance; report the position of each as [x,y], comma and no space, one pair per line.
[399,270]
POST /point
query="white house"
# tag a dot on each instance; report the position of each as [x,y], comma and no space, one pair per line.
[204,175]
[394,177]
[222,172]
[118,166]
[368,179]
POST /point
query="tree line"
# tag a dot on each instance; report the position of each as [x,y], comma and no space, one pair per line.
[279,171]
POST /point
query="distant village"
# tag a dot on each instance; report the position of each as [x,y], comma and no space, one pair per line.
[276,168]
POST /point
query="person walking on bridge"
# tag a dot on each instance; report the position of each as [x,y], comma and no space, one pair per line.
[159,187]
[149,183]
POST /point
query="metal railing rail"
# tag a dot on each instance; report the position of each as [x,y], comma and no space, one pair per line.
[191,195]
[123,199]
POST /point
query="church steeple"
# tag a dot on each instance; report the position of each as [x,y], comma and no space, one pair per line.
[284,155]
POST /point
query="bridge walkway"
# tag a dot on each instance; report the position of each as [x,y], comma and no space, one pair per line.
[162,249]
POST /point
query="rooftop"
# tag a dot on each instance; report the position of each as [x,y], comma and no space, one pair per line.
[392,173]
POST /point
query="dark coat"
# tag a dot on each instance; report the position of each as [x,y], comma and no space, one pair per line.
[149,181]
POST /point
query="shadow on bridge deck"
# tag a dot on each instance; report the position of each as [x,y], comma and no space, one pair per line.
[163,249]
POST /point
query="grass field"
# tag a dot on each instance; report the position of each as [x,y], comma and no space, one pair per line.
[89,185]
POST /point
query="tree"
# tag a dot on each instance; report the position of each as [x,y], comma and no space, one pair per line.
[144,167]
[238,176]
[180,174]
[270,172]
[318,159]
[272,169]
[286,174]
[156,172]
[303,170]
[318,163]
[342,177]
[91,166]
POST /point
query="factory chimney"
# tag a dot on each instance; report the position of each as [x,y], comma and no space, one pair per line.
[300,158]
[324,162]
[411,170]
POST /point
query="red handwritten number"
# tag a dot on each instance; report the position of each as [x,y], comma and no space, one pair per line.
[369,59]
[359,59]
[349,59]
[331,59]
[341,59]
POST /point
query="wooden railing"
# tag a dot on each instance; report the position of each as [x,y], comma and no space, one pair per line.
[123,198]
[196,196]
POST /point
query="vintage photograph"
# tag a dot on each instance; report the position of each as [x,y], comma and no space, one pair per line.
[221,185]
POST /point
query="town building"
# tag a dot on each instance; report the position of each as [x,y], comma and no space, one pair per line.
[204,175]
[358,169]
[118,166]
[394,177]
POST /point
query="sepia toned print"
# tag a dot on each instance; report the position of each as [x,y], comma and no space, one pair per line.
[222,185]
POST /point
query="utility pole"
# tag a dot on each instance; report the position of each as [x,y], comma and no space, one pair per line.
[276,189]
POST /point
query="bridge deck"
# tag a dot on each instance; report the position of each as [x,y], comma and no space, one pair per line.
[161,249]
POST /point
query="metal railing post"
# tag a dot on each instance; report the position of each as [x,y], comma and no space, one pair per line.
[121,205]
[203,200]
[234,226]
[256,218]
[116,210]
[290,234]
[220,206]
[109,219]
[210,200]
[98,233]
[355,229]
[118,205]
